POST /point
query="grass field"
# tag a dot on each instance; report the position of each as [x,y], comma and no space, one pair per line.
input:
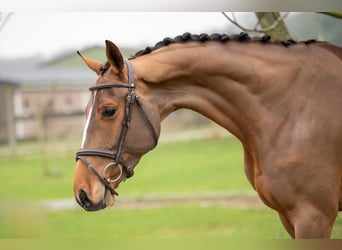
[194,166]
[200,166]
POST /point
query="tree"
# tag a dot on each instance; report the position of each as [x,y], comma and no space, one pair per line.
[4,18]
[333,14]
[270,23]
[273,24]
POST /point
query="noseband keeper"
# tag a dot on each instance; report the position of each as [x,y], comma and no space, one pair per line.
[115,155]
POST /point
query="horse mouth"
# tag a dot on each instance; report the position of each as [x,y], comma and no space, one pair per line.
[83,200]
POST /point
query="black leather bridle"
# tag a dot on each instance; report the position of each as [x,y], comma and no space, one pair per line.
[115,155]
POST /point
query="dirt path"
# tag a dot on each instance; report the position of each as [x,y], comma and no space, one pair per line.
[232,201]
[241,201]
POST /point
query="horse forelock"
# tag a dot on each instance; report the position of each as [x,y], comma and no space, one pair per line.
[104,68]
[223,38]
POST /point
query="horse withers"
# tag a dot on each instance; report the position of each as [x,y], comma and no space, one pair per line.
[282,100]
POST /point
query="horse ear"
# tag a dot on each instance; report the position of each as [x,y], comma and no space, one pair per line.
[92,64]
[114,56]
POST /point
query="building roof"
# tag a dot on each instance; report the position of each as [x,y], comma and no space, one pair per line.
[63,70]
[4,82]
[47,76]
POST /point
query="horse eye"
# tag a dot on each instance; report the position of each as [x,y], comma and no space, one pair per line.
[108,112]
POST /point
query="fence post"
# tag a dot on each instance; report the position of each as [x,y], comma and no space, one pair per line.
[10,118]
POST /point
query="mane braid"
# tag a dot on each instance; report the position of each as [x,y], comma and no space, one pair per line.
[223,38]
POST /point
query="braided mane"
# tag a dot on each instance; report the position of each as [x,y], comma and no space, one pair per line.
[223,38]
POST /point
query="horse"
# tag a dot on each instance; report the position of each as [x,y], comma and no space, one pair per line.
[281,99]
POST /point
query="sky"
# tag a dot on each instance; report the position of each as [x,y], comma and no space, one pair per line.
[46,34]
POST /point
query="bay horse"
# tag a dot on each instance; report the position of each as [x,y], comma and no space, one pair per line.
[281,99]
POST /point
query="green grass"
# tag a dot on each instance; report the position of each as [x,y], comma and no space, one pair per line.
[33,178]
[188,222]
[172,168]
[179,222]
[194,166]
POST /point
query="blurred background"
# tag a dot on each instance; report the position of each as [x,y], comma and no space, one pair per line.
[191,186]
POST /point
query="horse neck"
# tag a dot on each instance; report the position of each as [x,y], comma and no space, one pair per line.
[220,82]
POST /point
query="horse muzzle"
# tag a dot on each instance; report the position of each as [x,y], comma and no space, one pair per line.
[99,193]
[88,204]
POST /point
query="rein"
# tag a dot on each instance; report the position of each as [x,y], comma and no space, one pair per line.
[115,155]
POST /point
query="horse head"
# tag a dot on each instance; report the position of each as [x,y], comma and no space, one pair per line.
[121,126]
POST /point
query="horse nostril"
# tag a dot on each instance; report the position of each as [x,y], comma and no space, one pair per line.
[84,199]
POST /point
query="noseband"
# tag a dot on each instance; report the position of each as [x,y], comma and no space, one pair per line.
[115,155]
